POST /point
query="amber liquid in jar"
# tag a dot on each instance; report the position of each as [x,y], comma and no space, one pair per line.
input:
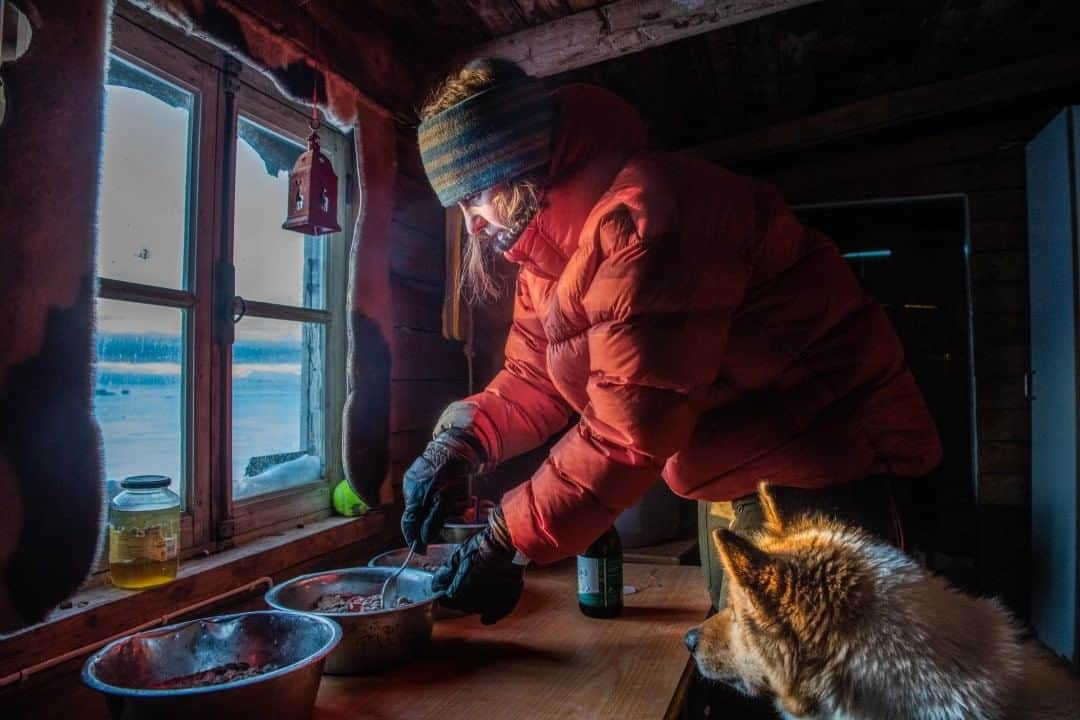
[144,536]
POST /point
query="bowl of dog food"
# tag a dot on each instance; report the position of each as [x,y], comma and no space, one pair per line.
[254,664]
[436,557]
[373,637]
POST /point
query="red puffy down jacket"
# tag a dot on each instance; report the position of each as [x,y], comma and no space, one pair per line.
[701,333]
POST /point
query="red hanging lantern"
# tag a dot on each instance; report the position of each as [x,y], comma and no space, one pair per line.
[312,182]
[312,192]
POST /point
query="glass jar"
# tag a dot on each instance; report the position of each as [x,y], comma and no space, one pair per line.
[144,533]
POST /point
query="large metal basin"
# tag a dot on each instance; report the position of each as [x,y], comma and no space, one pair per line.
[126,669]
[371,641]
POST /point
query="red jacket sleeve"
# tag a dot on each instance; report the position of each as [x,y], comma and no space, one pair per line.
[656,331]
[519,409]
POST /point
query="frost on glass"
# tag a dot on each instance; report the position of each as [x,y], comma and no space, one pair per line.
[278,407]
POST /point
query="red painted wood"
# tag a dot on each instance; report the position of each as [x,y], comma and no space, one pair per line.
[367,405]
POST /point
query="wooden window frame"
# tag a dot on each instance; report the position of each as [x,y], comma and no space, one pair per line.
[225,89]
[138,47]
[257,101]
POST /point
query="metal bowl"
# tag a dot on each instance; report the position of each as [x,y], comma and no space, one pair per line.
[457,533]
[371,641]
[127,669]
[436,555]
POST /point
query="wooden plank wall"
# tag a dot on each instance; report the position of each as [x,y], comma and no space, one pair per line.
[427,372]
[980,155]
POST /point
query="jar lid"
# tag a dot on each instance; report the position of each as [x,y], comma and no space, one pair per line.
[145,482]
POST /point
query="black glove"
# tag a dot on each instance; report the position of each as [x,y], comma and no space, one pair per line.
[436,486]
[482,576]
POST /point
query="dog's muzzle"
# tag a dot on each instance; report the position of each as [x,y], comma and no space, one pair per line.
[691,639]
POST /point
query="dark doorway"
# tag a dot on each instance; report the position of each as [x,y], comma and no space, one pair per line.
[911,255]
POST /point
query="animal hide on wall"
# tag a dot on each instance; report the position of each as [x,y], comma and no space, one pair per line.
[50,448]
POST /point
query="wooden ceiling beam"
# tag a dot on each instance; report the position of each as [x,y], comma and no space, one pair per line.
[1050,73]
[621,28]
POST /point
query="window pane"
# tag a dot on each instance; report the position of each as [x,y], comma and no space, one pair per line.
[272,265]
[143,208]
[139,397]
[277,405]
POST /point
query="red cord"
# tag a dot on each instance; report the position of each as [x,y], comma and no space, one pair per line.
[314,76]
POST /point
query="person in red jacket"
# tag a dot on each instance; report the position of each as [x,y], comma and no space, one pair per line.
[696,330]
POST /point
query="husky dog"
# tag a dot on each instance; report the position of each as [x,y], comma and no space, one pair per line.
[834,624]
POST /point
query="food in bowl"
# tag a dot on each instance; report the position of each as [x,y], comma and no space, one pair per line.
[353,602]
[256,664]
[371,641]
[228,672]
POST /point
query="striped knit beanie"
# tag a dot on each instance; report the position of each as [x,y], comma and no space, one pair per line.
[490,137]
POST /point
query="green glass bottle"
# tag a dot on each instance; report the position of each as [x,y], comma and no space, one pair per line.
[600,577]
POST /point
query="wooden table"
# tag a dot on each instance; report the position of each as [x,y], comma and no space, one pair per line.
[672,552]
[546,660]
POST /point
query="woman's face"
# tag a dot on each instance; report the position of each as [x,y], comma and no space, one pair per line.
[482,219]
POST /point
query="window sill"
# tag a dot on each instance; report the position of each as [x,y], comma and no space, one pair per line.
[99,613]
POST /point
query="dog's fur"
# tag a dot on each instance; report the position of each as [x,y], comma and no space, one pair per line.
[834,624]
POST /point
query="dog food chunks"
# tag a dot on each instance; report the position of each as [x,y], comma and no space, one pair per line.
[352,602]
[215,676]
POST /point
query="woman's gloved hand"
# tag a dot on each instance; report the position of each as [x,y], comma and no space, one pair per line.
[482,576]
[436,485]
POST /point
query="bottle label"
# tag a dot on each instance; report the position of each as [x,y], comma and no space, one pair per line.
[141,544]
[599,581]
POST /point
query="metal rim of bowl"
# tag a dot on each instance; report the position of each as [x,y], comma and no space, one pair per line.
[471,526]
[271,596]
[101,686]
[373,562]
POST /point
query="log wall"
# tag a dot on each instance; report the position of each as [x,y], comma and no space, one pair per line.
[428,372]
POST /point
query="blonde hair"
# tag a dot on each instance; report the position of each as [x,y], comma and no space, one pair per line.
[517,201]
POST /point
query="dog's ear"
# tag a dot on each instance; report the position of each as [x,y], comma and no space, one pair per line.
[748,566]
[770,509]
